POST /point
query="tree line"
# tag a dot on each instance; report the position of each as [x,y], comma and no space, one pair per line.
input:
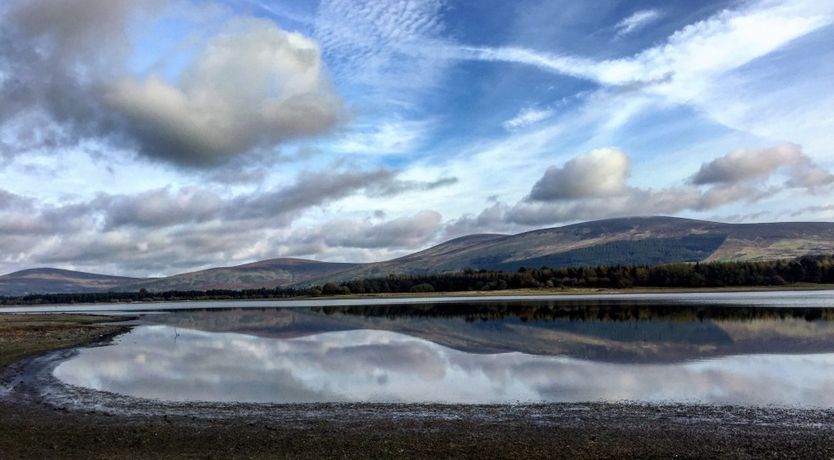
[807,269]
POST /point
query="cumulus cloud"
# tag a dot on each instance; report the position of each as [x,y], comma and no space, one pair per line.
[595,185]
[53,54]
[599,173]
[633,201]
[251,86]
[491,219]
[747,165]
[73,32]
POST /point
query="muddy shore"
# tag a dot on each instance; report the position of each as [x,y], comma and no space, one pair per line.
[36,422]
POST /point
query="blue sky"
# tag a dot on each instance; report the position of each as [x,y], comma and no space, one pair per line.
[149,137]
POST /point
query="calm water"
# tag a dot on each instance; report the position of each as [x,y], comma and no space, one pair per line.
[821,298]
[740,349]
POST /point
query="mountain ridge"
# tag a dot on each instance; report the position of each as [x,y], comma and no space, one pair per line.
[631,240]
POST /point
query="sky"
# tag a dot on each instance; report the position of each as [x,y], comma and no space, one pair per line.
[151,137]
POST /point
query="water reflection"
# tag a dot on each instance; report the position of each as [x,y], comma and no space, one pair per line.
[612,332]
[365,365]
[473,353]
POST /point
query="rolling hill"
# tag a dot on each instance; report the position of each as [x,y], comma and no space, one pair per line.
[53,280]
[263,274]
[635,240]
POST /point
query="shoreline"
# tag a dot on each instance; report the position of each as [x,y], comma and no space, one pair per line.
[509,294]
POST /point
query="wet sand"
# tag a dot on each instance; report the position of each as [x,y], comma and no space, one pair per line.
[40,419]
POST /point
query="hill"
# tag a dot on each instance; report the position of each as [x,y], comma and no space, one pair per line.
[635,240]
[264,274]
[53,280]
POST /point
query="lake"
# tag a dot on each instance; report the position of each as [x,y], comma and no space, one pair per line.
[772,348]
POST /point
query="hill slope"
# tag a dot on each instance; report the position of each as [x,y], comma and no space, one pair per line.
[636,240]
[53,280]
[264,274]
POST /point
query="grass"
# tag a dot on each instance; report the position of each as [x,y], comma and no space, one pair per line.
[28,335]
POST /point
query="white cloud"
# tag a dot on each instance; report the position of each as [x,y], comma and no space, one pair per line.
[526,117]
[746,165]
[599,173]
[254,85]
[705,49]
[384,137]
[637,21]
[704,69]
[384,52]
[595,185]
[568,65]
[173,229]
[243,86]
[371,43]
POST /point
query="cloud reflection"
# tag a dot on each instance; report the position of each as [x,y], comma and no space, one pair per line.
[372,365]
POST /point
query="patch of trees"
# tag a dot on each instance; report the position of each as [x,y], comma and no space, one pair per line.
[147,296]
[809,269]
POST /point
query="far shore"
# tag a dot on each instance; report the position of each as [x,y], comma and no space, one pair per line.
[509,293]
[577,291]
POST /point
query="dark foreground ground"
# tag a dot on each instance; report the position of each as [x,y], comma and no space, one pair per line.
[31,427]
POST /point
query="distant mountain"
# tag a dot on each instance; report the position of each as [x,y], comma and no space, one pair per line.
[635,240]
[264,274]
[53,280]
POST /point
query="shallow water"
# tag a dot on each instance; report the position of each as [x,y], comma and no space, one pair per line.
[749,350]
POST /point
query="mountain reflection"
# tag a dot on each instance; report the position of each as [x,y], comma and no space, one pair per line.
[601,331]
[473,353]
[377,365]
